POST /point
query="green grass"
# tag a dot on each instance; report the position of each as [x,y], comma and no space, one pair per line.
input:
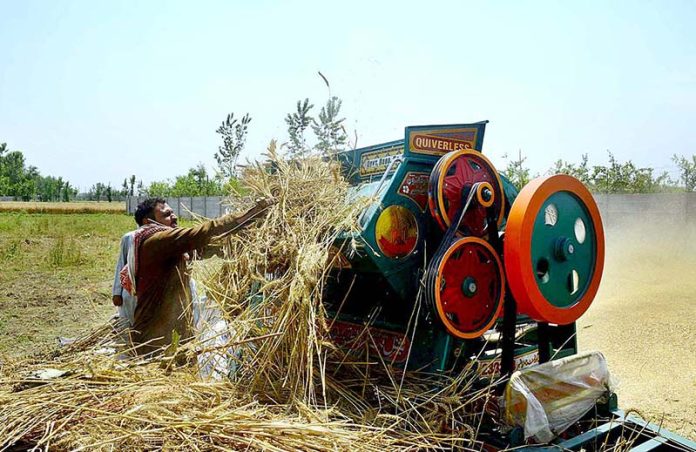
[56,275]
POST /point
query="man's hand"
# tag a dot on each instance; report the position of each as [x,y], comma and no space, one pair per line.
[259,211]
[117,300]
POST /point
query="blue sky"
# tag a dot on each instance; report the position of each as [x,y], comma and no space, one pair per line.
[96,91]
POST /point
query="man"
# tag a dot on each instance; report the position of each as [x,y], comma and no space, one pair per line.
[121,298]
[156,271]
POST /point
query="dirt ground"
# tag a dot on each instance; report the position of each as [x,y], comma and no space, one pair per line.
[644,321]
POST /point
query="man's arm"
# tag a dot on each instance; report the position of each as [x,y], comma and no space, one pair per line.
[117,289]
[175,242]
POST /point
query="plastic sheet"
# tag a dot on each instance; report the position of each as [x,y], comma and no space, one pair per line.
[217,361]
[548,398]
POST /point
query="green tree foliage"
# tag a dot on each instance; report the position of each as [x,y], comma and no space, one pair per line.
[96,192]
[196,182]
[328,129]
[580,171]
[159,188]
[4,182]
[516,170]
[616,177]
[68,192]
[298,122]
[25,183]
[50,188]
[687,171]
[233,133]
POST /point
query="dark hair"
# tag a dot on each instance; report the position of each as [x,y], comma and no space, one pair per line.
[146,209]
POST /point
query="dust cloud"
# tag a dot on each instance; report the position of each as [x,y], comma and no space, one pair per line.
[644,318]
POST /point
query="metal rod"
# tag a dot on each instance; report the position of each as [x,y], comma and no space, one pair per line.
[379,188]
[544,339]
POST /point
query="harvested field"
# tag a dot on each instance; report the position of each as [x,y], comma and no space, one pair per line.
[63,207]
[644,321]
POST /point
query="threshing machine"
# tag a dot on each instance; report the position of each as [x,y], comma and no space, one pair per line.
[454,267]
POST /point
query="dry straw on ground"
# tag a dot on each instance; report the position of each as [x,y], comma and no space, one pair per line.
[62,207]
[291,388]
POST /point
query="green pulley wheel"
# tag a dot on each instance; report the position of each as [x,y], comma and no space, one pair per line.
[554,249]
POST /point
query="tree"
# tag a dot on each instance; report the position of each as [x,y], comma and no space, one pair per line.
[580,171]
[625,177]
[233,135]
[159,188]
[68,191]
[687,171]
[4,180]
[13,167]
[124,188]
[298,122]
[616,177]
[25,182]
[329,129]
[16,179]
[132,185]
[195,183]
[516,171]
[107,191]
[97,190]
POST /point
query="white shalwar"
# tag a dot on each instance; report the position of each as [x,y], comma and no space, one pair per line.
[127,309]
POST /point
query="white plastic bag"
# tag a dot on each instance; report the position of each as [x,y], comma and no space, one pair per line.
[217,361]
[548,398]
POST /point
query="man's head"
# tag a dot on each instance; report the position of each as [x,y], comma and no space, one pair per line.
[155,210]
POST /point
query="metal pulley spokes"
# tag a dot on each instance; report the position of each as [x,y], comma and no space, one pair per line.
[466,287]
[453,173]
[554,249]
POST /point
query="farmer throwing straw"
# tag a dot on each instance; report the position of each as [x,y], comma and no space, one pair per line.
[157,272]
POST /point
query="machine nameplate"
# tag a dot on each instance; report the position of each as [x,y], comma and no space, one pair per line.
[441,141]
[376,162]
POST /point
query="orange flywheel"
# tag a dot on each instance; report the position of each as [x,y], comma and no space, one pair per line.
[554,249]
[452,174]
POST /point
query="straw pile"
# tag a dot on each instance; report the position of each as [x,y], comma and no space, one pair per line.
[289,387]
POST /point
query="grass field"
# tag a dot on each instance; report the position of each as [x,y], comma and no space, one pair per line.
[56,277]
[63,207]
[57,272]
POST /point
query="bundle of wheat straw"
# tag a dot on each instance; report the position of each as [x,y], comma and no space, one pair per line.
[96,406]
[291,389]
[271,280]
